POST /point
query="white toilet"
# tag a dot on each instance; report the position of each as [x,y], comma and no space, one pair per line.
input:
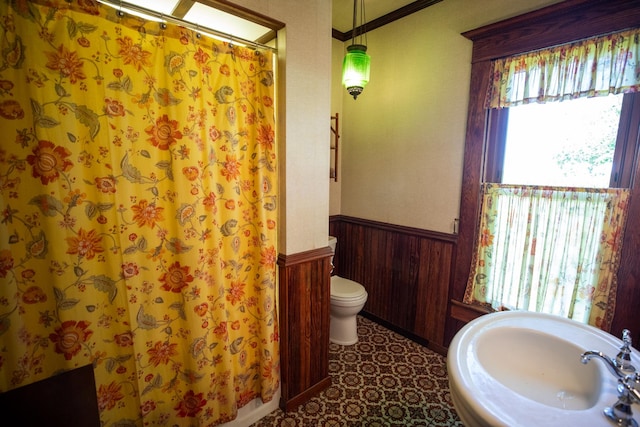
[347,300]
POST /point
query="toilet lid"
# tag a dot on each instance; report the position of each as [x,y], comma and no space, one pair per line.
[346,289]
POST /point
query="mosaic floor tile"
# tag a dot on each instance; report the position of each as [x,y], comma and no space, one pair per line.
[385,380]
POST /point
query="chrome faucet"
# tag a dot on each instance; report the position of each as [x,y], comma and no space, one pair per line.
[623,359]
[613,367]
[628,381]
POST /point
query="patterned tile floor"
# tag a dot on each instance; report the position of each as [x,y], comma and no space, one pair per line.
[383,380]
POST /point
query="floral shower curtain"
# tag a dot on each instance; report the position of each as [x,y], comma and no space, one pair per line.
[138,210]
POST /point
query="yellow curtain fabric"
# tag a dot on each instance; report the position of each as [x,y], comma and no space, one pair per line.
[138,179]
[594,67]
[549,249]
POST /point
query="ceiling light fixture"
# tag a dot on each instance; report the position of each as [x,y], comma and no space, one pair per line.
[356,65]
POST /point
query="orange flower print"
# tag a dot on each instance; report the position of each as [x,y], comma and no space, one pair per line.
[147,407]
[133,54]
[221,331]
[11,110]
[164,133]
[247,88]
[106,184]
[83,41]
[201,57]
[130,270]
[176,278]
[191,172]
[67,63]
[235,292]
[267,369]
[231,168]
[48,160]
[268,257]
[6,262]
[266,137]
[108,396]
[486,239]
[225,70]
[86,244]
[201,309]
[209,202]
[70,336]
[161,353]
[145,213]
[34,295]
[124,339]
[190,405]
[6,86]
[113,108]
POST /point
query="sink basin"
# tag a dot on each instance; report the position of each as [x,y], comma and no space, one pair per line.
[525,369]
[519,368]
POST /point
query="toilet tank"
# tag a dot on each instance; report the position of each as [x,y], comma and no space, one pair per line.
[332,244]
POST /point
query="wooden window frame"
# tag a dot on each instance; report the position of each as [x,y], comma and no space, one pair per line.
[560,23]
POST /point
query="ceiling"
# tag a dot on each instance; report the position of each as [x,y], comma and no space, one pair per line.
[342,18]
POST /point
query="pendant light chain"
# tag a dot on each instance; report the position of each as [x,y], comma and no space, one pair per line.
[359,29]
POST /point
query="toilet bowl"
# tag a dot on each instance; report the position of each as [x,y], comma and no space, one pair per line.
[347,300]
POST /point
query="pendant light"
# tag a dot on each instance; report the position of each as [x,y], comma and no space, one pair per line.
[356,64]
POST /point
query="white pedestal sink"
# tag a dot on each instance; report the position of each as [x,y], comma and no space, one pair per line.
[520,368]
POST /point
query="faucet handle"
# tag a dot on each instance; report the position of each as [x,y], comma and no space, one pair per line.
[623,359]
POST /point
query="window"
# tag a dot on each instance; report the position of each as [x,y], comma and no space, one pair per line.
[580,143]
[568,144]
[540,246]
[570,20]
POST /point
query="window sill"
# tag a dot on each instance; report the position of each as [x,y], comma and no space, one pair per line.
[465,312]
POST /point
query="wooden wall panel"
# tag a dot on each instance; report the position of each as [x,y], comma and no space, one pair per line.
[430,319]
[406,272]
[304,300]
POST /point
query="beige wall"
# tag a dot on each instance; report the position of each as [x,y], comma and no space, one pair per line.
[304,51]
[337,90]
[403,139]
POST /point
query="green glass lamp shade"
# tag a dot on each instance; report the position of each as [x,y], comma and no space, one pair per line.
[355,69]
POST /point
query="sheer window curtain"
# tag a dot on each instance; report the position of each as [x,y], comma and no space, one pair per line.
[549,249]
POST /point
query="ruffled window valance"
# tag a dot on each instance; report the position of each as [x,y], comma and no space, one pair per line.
[597,66]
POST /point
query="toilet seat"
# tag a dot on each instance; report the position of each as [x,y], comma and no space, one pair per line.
[346,290]
[347,300]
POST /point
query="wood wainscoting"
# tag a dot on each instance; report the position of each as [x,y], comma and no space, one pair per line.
[304,300]
[406,272]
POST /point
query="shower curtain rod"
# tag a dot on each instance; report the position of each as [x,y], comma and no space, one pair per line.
[123,7]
